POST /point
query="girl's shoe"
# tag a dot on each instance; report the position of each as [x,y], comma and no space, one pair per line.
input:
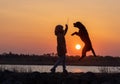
[52,71]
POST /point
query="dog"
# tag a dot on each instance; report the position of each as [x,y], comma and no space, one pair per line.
[83,34]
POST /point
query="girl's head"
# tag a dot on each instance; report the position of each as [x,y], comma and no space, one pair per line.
[59,29]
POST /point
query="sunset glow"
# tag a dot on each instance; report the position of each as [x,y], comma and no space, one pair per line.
[27,26]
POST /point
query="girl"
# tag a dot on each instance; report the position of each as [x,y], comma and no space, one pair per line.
[61,47]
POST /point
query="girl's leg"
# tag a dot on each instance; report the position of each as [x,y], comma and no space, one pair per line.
[57,63]
[64,65]
[64,62]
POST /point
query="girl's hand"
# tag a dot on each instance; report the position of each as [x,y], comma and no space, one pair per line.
[66,26]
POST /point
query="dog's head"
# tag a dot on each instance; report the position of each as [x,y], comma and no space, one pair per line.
[77,24]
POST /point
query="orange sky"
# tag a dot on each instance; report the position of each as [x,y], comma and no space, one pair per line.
[27,26]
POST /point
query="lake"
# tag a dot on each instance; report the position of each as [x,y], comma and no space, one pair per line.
[46,68]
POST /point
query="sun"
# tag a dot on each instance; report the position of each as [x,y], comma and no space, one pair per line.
[78,46]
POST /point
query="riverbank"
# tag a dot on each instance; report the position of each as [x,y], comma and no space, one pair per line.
[8,77]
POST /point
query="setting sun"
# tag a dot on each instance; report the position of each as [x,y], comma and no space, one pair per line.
[78,46]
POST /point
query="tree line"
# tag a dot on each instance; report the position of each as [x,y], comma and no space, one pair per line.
[49,59]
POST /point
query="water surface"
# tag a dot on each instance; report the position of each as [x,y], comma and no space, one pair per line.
[46,68]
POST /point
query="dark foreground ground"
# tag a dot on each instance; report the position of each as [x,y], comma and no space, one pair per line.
[7,77]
